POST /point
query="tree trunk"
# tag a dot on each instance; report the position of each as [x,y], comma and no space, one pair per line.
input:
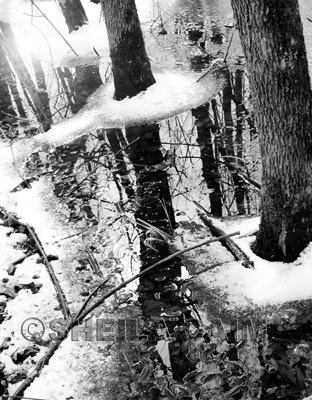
[13,55]
[114,137]
[229,146]
[130,64]
[42,86]
[74,13]
[210,165]
[6,105]
[273,42]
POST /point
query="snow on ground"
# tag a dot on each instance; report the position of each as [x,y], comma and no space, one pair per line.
[269,282]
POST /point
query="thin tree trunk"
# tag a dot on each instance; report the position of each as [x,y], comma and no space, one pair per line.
[229,146]
[210,165]
[130,64]
[6,105]
[74,13]
[12,53]
[113,136]
[41,83]
[7,81]
[272,38]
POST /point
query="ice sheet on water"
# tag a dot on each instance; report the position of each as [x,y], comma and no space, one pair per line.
[172,94]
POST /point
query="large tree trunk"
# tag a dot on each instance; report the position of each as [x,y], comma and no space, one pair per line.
[130,64]
[74,13]
[273,42]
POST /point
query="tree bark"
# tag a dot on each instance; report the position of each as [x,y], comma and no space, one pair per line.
[130,64]
[74,13]
[272,38]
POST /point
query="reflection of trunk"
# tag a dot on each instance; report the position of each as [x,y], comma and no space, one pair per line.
[147,158]
[66,80]
[12,53]
[79,86]
[229,146]
[7,80]
[16,95]
[41,83]
[239,74]
[130,64]
[154,207]
[6,105]
[114,136]
[210,166]
[77,89]
[74,13]
[86,80]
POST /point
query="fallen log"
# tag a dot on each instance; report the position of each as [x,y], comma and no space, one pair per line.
[228,243]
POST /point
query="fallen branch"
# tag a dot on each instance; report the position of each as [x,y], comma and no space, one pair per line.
[232,247]
[177,254]
[59,292]
[237,168]
[36,371]
[11,221]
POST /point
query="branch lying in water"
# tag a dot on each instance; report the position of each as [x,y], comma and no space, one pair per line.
[177,254]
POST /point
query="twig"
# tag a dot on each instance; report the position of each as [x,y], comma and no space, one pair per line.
[59,291]
[21,259]
[51,23]
[94,264]
[177,254]
[69,236]
[228,49]
[90,296]
[149,226]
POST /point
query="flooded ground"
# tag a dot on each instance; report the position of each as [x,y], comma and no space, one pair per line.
[131,187]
